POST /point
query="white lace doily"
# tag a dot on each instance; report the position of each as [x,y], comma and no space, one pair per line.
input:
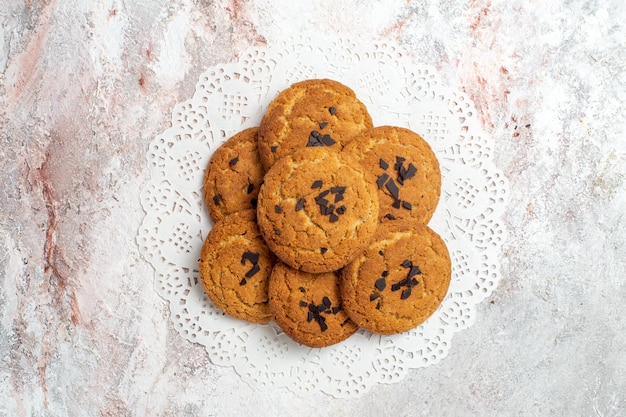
[397,91]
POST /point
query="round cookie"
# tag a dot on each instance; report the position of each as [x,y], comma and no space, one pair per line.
[308,306]
[317,112]
[235,265]
[317,209]
[233,175]
[405,169]
[399,281]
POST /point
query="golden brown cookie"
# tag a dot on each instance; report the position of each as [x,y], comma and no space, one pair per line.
[317,209]
[308,306]
[235,265]
[233,175]
[399,281]
[405,169]
[318,112]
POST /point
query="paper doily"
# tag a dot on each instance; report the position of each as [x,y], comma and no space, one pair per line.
[397,91]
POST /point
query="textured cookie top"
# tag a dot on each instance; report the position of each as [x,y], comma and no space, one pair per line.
[235,265]
[399,281]
[405,170]
[317,112]
[317,209]
[233,175]
[308,306]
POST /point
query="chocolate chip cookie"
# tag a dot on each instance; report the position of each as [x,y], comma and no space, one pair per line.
[399,281]
[405,170]
[308,306]
[233,175]
[235,265]
[318,112]
[317,209]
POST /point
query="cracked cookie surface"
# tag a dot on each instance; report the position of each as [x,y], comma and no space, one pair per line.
[233,175]
[317,112]
[399,281]
[405,170]
[235,265]
[308,306]
[317,209]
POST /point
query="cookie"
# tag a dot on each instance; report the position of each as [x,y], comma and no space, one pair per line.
[318,112]
[399,281]
[233,175]
[308,306]
[317,209]
[235,265]
[405,169]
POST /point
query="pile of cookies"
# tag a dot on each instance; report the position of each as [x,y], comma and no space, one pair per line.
[321,220]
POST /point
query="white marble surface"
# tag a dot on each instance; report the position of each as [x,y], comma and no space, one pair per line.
[85,86]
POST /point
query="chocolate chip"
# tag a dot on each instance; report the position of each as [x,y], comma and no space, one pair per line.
[333,218]
[300,204]
[407,205]
[410,172]
[303,304]
[390,216]
[382,180]
[396,286]
[321,201]
[341,210]
[326,302]
[253,202]
[415,270]
[252,257]
[324,250]
[381,253]
[324,193]
[396,204]
[216,200]
[399,161]
[252,272]
[302,289]
[405,294]
[332,110]
[233,161]
[393,189]
[317,139]
[322,323]
[407,263]
[243,282]
[277,209]
[412,283]
[274,149]
[327,140]
[374,296]
[310,316]
[338,197]
[323,125]
[317,184]
[380,284]
[314,139]
[338,189]
[277,231]
[385,273]
[383,164]
[336,309]
[250,188]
